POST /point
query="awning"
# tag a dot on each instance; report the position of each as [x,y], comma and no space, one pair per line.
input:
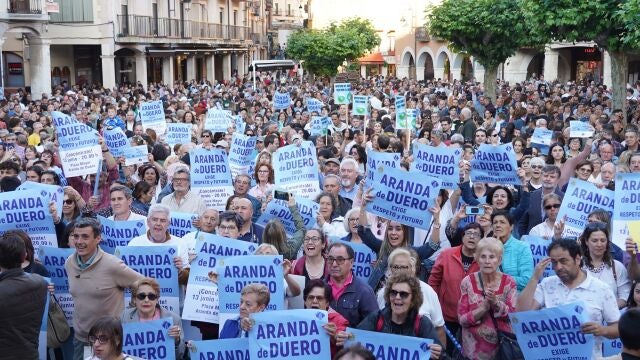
[372,59]
[273,65]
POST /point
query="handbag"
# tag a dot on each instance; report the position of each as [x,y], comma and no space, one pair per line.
[58,330]
[508,347]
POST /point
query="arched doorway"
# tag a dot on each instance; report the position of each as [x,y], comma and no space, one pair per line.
[409,64]
[466,68]
[536,66]
[443,64]
[125,63]
[426,60]
[13,70]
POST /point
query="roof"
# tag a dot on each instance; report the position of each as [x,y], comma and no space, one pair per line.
[374,58]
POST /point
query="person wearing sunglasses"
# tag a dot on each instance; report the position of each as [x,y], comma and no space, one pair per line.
[145,306]
[400,315]
[72,206]
[547,229]
[106,338]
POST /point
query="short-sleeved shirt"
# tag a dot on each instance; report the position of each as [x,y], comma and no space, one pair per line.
[597,296]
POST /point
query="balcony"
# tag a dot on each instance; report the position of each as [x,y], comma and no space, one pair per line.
[25,7]
[422,34]
[150,27]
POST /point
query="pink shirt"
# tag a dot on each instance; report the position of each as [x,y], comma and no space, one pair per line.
[338,291]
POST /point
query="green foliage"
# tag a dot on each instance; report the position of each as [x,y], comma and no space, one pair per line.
[324,50]
[629,13]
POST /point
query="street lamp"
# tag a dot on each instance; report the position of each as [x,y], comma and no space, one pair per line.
[404,21]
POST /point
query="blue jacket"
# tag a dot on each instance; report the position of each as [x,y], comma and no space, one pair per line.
[231,329]
[356,302]
[517,261]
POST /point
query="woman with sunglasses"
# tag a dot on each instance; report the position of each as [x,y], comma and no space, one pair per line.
[400,315]
[547,229]
[598,261]
[106,339]
[145,306]
[72,206]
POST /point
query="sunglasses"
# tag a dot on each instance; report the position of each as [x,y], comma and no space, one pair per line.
[68,202]
[102,339]
[403,294]
[536,166]
[142,296]
[553,206]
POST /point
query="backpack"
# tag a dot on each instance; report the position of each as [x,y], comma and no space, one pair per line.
[416,324]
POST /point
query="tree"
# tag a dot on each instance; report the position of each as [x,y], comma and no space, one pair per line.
[489,30]
[611,24]
[324,50]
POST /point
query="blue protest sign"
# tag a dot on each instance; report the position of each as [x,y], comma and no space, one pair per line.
[79,150]
[403,198]
[360,105]
[155,262]
[362,259]
[211,176]
[377,158]
[281,101]
[134,155]
[42,335]
[314,105]
[539,248]
[181,223]
[217,120]
[178,134]
[241,153]
[28,210]
[53,260]
[239,124]
[401,112]
[201,299]
[319,125]
[627,198]
[116,140]
[152,116]
[580,129]
[581,198]
[552,332]
[56,192]
[341,93]
[441,162]
[278,209]
[296,169]
[119,233]
[612,347]
[495,164]
[541,139]
[222,349]
[390,346]
[289,334]
[149,340]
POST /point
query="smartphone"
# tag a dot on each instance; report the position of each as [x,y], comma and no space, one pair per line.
[474,210]
[281,195]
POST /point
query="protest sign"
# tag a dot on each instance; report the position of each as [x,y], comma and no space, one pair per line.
[116,140]
[626,208]
[239,124]
[319,125]
[152,116]
[580,129]
[401,112]
[363,259]
[28,210]
[223,349]
[217,120]
[56,192]
[149,339]
[119,233]
[612,347]
[281,101]
[634,231]
[341,93]
[79,150]
[178,134]
[53,259]
[181,223]
[580,199]
[539,249]
[290,334]
[134,155]
[314,105]
[360,105]
[278,209]
[211,176]
[154,262]
[441,162]
[390,346]
[377,158]
[296,169]
[553,332]
[201,299]
[495,164]
[242,153]
[412,118]
[403,198]
[541,139]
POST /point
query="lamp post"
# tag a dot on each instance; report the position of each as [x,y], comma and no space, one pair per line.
[403,20]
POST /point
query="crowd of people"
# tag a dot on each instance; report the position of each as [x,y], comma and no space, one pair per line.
[454,283]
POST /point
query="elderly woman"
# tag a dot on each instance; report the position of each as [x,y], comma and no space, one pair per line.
[517,260]
[400,316]
[145,306]
[352,220]
[106,339]
[486,295]
[253,298]
[312,265]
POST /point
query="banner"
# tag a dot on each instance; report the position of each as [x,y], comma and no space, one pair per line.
[278,209]
[149,339]
[495,164]
[360,105]
[626,208]
[152,116]
[541,139]
[53,259]
[222,349]
[412,119]
[289,334]
[79,150]
[201,299]
[580,129]
[363,259]
[403,198]
[281,101]
[314,105]
[134,155]
[56,192]
[341,93]
[553,332]
[242,153]
[211,177]
[390,346]
[181,223]
[539,249]
[119,233]
[401,112]
[29,211]
[612,347]
[116,140]
[296,169]
[178,134]
[441,162]
[377,158]
[581,198]
[154,262]
[319,125]
[217,120]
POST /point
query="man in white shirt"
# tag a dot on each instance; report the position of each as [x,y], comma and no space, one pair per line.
[182,199]
[121,199]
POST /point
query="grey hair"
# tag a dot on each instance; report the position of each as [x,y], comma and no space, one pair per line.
[346,218]
[349,160]
[159,208]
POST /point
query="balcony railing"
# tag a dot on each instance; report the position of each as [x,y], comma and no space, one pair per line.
[147,26]
[24,7]
[422,34]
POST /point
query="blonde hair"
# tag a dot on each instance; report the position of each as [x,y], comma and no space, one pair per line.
[151,282]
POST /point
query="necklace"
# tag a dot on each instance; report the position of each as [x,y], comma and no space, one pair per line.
[598,269]
[314,275]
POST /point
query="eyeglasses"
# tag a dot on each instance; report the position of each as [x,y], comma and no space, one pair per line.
[102,339]
[403,294]
[180,179]
[315,239]
[338,260]
[400,267]
[536,166]
[68,202]
[227,228]
[206,136]
[353,219]
[597,226]
[552,206]
[142,296]
[313,298]
[587,170]
[472,234]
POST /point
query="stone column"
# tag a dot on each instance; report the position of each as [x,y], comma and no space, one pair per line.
[191,68]
[438,73]
[607,79]
[226,66]
[108,65]
[141,69]
[40,67]
[402,71]
[419,73]
[167,70]
[211,68]
[551,64]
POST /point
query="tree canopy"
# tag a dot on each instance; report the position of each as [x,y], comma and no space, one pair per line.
[324,50]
